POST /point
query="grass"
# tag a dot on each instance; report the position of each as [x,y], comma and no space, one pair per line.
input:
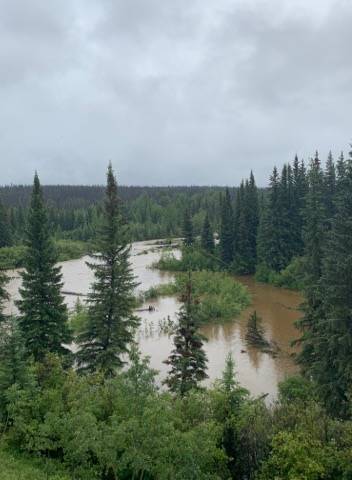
[15,466]
[221,298]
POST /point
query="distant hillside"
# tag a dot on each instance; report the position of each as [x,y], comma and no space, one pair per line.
[80,196]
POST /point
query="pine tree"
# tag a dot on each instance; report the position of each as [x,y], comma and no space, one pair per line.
[187,228]
[43,313]
[314,237]
[246,227]
[111,322]
[188,359]
[226,230]
[299,190]
[329,187]
[207,239]
[333,348]
[270,245]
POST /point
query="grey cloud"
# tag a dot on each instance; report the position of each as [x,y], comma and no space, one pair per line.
[172,92]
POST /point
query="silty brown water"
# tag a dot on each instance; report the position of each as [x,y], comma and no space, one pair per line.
[257,371]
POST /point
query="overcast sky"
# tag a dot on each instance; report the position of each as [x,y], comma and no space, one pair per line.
[171,91]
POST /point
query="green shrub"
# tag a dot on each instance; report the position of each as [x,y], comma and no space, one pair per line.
[291,277]
[192,258]
[221,297]
[15,466]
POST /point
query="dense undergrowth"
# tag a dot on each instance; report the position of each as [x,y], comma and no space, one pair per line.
[126,428]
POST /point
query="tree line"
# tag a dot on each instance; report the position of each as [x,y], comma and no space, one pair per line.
[102,421]
[300,227]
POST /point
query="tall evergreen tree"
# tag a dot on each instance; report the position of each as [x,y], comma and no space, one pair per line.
[226,230]
[207,239]
[187,228]
[297,205]
[43,313]
[188,359]
[333,349]
[270,245]
[314,237]
[246,227]
[329,187]
[111,322]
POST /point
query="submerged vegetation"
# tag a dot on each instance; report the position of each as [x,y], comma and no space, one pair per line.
[221,298]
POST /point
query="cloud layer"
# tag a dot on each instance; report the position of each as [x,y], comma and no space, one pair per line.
[186,92]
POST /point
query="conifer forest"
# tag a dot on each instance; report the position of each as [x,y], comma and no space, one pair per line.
[175,240]
[79,400]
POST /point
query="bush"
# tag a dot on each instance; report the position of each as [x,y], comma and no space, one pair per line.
[21,467]
[192,258]
[291,277]
[221,297]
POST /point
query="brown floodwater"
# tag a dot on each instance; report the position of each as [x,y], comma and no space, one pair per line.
[257,371]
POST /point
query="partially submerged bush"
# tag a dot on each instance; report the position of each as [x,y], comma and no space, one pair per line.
[220,296]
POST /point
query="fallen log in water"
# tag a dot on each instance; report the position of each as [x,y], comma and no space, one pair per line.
[76,294]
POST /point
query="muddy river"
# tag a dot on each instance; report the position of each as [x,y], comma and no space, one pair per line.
[257,371]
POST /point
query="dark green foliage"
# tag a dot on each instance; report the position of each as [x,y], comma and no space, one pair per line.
[246,226]
[43,314]
[314,236]
[207,238]
[333,364]
[110,324]
[329,187]
[226,230]
[187,228]
[5,228]
[270,245]
[292,277]
[188,359]
[3,295]
[13,367]
[255,334]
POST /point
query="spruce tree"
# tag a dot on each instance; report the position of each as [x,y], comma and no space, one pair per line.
[246,226]
[314,237]
[329,187]
[299,190]
[111,323]
[188,359]
[226,230]
[43,313]
[207,239]
[333,348]
[187,228]
[270,245]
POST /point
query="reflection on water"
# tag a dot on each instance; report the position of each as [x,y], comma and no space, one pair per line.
[257,371]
